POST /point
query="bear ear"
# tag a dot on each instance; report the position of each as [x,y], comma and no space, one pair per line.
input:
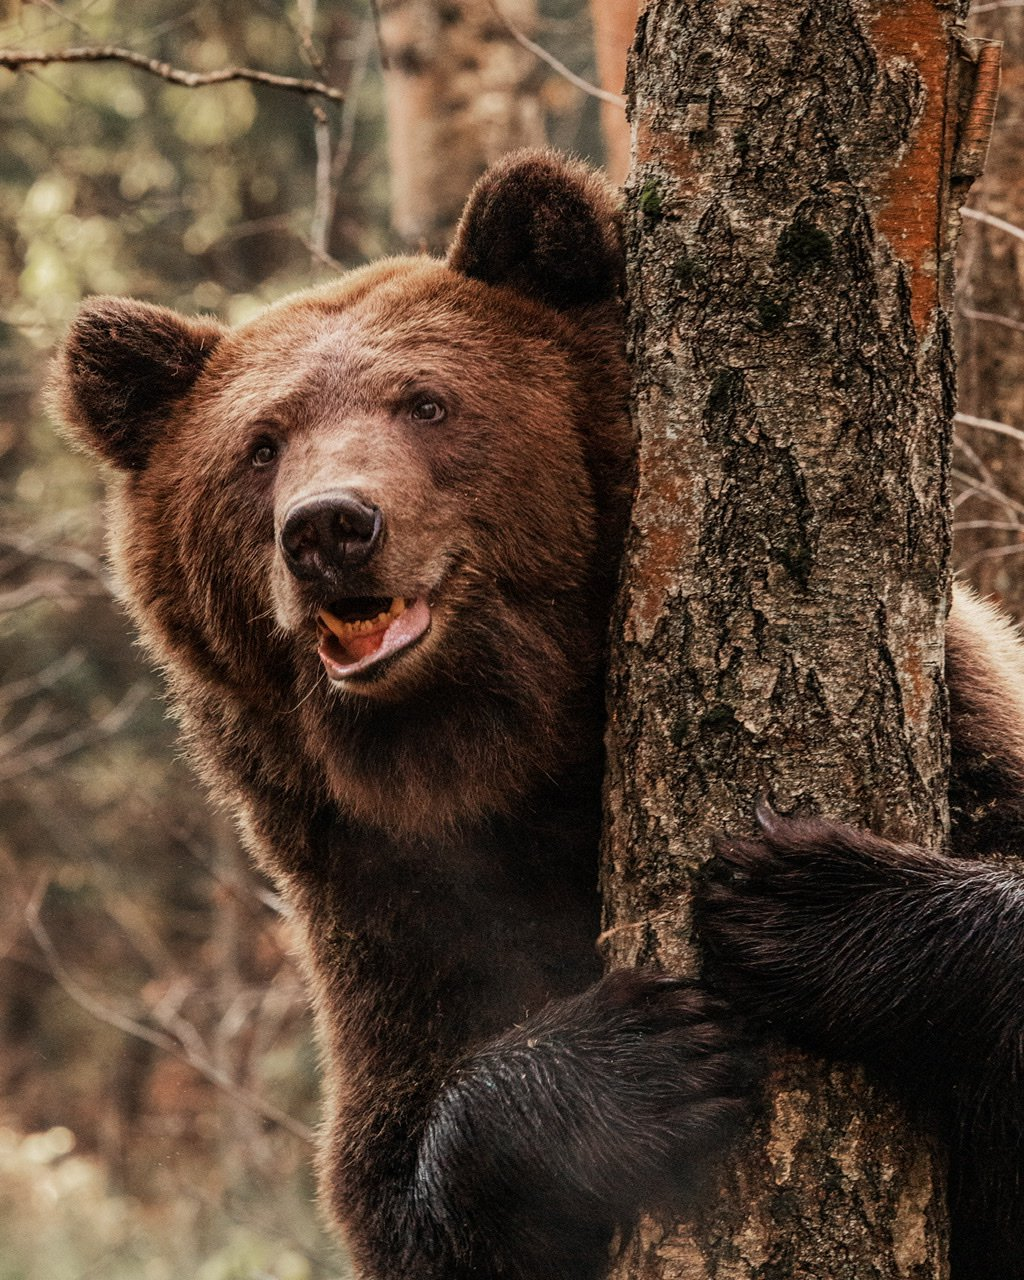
[546,226]
[120,371]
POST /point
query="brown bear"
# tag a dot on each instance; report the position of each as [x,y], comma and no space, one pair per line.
[371,536]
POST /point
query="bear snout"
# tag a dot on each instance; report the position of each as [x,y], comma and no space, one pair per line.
[322,537]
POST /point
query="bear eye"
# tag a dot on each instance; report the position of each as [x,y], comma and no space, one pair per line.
[426,410]
[263,453]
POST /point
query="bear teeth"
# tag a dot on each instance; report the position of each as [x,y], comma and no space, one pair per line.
[363,626]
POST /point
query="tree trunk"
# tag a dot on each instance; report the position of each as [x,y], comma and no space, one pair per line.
[614,22]
[460,93]
[780,626]
[990,341]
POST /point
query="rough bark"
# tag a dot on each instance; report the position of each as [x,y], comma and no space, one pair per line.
[780,626]
[460,93]
[989,539]
[614,22]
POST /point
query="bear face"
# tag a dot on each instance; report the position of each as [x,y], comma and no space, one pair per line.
[372,489]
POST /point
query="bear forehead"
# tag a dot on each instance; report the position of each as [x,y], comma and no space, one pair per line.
[391,316]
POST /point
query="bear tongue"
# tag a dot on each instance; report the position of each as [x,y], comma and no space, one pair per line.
[346,654]
[359,647]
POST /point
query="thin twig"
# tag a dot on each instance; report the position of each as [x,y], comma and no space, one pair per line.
[538,51]
[982,468]
[50,7]
[992,553]
[991,220]
[990,424]
[43,589]
[28,686]
[15,59]
[18,763]
[1009,526]
[986,490]
[347,131]
[158,1039]
[993,317]
[382,54]
[320,223]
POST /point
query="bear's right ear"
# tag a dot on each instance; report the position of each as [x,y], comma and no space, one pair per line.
[545,226]
[122,368]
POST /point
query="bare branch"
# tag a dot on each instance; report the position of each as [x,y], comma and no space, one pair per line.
[992,553]
[15,690]
[320,224]
[990,424]
[346,136]
[1011,526]
[984,473]
[16,764]
[50,7]
[538,51]
[993,317]
[15,59]
[991,220]
[160,1040]
[986,490]
[41,589]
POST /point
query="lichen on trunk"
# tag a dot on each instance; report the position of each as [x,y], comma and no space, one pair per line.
[791,215]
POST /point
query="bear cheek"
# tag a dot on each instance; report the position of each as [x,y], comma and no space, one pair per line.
[208,584]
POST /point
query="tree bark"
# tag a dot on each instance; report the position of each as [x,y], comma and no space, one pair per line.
[460,93]
[791,215]
[990,536]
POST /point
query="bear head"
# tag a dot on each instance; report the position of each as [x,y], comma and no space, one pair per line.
[384,517]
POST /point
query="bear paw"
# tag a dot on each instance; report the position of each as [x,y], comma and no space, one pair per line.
[806,925]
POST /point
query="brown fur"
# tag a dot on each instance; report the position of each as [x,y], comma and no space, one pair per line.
[434,829]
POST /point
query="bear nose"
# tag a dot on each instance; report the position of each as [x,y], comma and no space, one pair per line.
[324,535]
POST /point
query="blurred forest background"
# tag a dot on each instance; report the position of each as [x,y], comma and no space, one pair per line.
[157,1072]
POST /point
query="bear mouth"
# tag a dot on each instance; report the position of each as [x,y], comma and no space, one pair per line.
[357,634]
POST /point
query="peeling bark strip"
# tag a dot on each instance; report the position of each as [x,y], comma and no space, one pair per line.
[791,218]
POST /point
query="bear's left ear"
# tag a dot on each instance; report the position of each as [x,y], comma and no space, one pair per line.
[545,226]
[122,368]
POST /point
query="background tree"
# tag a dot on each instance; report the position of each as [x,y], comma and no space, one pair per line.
[461,91]
[780,626]
[989,476]
[614,24]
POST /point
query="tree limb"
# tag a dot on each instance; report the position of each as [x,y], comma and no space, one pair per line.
[15,59]
[538,51]
[159,1039]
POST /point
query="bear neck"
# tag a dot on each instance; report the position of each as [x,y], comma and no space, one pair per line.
[454,759]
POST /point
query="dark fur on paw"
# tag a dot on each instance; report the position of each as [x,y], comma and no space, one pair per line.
[603,1103]
[671,1050]
[810,928]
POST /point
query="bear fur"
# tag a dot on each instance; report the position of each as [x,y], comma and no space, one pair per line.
[453,436]
[422,474]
